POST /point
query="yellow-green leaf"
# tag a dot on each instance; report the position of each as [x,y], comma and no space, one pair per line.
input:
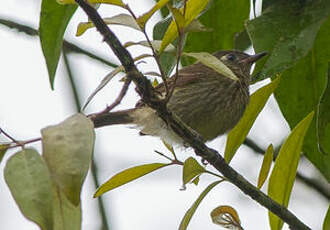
[142,20]
[178,17]
[120,19]
[191,170]
[283,175]
[187,217]
[326,222]
[169,147]
[238,134]
[111,2]
[265,167]
[226,216]
[214,63]
[193,9]
[128,175]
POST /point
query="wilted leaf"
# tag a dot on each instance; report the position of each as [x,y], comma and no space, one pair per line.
[142,20]
[283,175]
[29,182]
[3,150]
[120,19]
[191,211]
[126,176]
[226,217]
[67,149]
[238,134]
[54,19]
[265,167]
[191,170]
[214,63]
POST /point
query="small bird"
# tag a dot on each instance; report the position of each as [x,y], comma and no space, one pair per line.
[205,100]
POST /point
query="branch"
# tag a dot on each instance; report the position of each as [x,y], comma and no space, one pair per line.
[189,136]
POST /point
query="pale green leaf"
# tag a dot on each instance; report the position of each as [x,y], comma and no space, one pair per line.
[238,134]
[214,63]
[191,170]
[283,175]
[29,182]
[265,167]
[128,175]
[67,149]
[142,20]
[187,217]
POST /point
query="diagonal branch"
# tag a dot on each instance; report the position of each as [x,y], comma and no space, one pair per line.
[189,136]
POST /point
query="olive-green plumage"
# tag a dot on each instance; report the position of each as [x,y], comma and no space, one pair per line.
[205,100]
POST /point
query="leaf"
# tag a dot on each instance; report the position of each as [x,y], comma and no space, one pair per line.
[142,20]
[29,182]
[326,222]
[265,167]
[214,63]
[300,91]
[111,2]
[191,211]
[323,121]
[3,150]
[178,17]
[155,44]
[283,175]
[67,149]
[169,147]
[54,19]
[191,170]
[226,217]
[126,176]
[286,43]
[226,19]
[120,19]
[103,83]
[238,134]
[193,9]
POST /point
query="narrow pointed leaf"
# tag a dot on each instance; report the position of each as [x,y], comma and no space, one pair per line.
[265,167]
[54,19]
[214,63]
[178,17]
[238,134]
[67,149]
[285,168]
[191,211]
[128,175]
[29,182]
[111,2]
[142,20]
[191,170]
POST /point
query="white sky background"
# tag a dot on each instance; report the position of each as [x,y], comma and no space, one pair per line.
[28,104]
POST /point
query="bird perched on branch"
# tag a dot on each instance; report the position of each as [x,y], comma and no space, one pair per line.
[207,101]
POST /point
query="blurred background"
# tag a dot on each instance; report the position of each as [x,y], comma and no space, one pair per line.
[28,104]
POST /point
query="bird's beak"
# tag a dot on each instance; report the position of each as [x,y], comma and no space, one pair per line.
[253,58]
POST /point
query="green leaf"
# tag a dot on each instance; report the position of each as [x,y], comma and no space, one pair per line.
[111,2]
[193,9]
[128,175]
[191,211]
[54,19]
[326,222]
[226,19]
[265,167]
[238,134]
[286,43]
[29,182]
[67,149]
[283,175]
[3,150]
[323,121]
[300,90]
[191,170]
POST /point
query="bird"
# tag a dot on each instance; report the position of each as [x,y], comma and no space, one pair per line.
[208,102]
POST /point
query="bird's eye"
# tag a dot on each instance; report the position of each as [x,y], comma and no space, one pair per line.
[231,57]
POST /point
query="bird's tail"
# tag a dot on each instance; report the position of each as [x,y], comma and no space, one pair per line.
[113,118]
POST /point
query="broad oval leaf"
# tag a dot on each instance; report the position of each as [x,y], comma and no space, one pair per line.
[29,182]
[227,217]
[120,19]
[67,149]
[142,20]
[191,170]
[126,176]
[54,19]
[265,167]
[283,175]
[193,9]
[111,2]
[238,134]
[214,63]
[187,217]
